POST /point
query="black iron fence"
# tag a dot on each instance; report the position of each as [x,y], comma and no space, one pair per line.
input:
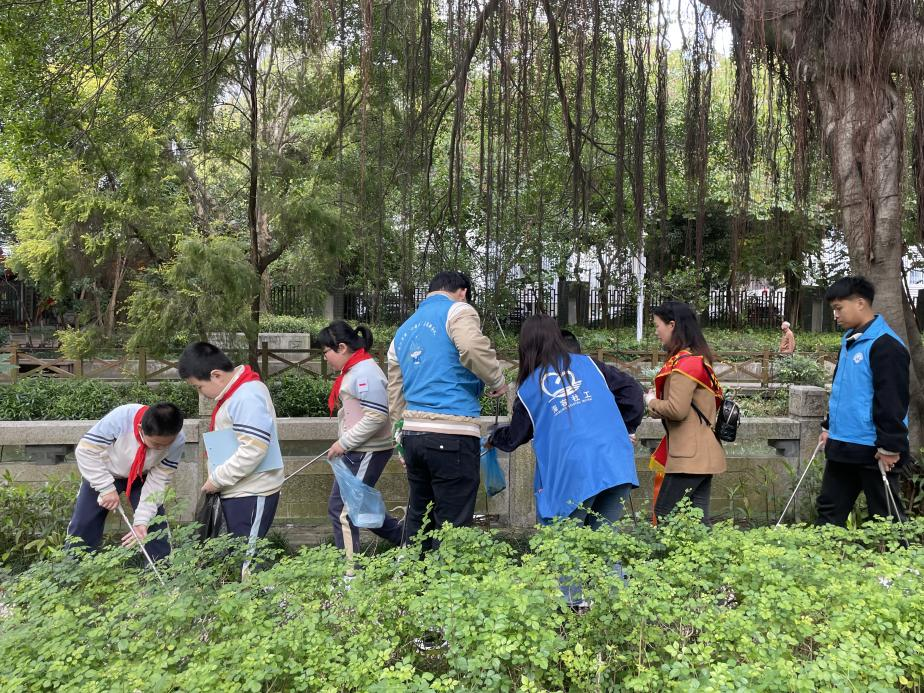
[618,307]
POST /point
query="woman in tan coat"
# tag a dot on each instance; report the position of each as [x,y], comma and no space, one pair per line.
[685,397]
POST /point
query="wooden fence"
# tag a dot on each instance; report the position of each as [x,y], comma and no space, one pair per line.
[733,368]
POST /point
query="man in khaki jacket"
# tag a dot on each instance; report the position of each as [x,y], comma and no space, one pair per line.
[787,341]
[438,366]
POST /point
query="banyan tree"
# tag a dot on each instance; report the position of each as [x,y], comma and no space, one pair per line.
[852,68]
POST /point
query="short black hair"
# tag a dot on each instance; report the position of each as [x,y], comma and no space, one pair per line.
[199,359]
[574,346]
[451,281]
[162,419]
[846,287]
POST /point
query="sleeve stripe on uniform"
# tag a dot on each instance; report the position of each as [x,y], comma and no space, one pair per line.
[251,431]
[374,405]
[168,463]
[99,439]
[253,440]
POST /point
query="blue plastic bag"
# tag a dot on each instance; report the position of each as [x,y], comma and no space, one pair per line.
[491,472]
[364,504]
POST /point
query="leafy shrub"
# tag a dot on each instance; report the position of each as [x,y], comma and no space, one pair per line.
[291,323]
[799,370]
[42,399]
[381,334]
[295,394]
[710,610]
[682,284]
[76,343]
[33,519]
[53,399]
[763,402]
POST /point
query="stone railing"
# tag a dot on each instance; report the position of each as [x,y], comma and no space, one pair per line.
[762,464]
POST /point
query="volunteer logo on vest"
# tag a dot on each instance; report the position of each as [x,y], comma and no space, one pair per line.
[857,358]
[563,390]
[415,355]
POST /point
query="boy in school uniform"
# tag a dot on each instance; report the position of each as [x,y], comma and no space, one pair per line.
[249,498]
[135,450]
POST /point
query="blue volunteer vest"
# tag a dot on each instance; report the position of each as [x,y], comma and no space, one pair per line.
[850,409]
[581,443]
[435,380]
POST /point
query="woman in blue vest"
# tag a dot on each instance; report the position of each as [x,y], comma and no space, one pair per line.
[585,464]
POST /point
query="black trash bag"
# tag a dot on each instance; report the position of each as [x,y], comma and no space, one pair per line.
[209,516]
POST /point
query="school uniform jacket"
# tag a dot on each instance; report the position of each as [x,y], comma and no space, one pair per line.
[363,416]
[106,453]
[250,414]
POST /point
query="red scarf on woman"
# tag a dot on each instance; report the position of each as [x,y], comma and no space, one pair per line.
[358,355]
[138,463]
[248,375]
[696,368]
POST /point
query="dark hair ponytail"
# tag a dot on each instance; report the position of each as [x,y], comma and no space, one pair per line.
[340,332]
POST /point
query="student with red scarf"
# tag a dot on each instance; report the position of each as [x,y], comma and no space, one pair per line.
[133,450]
[364,442]
[243,404]
[686,397]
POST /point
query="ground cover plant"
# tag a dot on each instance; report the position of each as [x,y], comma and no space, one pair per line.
[765,610]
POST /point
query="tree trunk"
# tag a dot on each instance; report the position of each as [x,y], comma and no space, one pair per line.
[863,133]
[254,172]
[121,264]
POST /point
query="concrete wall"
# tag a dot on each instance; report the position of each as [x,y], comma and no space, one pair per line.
[757,484]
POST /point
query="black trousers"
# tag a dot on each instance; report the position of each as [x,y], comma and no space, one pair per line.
[444,470]
[841,486]
[697,487]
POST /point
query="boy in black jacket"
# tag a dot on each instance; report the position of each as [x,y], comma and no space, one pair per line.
[866,430]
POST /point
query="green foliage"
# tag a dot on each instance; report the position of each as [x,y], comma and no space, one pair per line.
[291,323]
[207,288]
[683,284]
[75,343]
[763,402]
[703,610]
[42,399]
[295,394]
[33,520]
[381,334]
[799,370]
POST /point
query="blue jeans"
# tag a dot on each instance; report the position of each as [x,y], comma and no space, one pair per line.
[599,510]
[602,508]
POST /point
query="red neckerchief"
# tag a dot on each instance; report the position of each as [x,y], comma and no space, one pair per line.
[138,463]
[248,375]
[358,355]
